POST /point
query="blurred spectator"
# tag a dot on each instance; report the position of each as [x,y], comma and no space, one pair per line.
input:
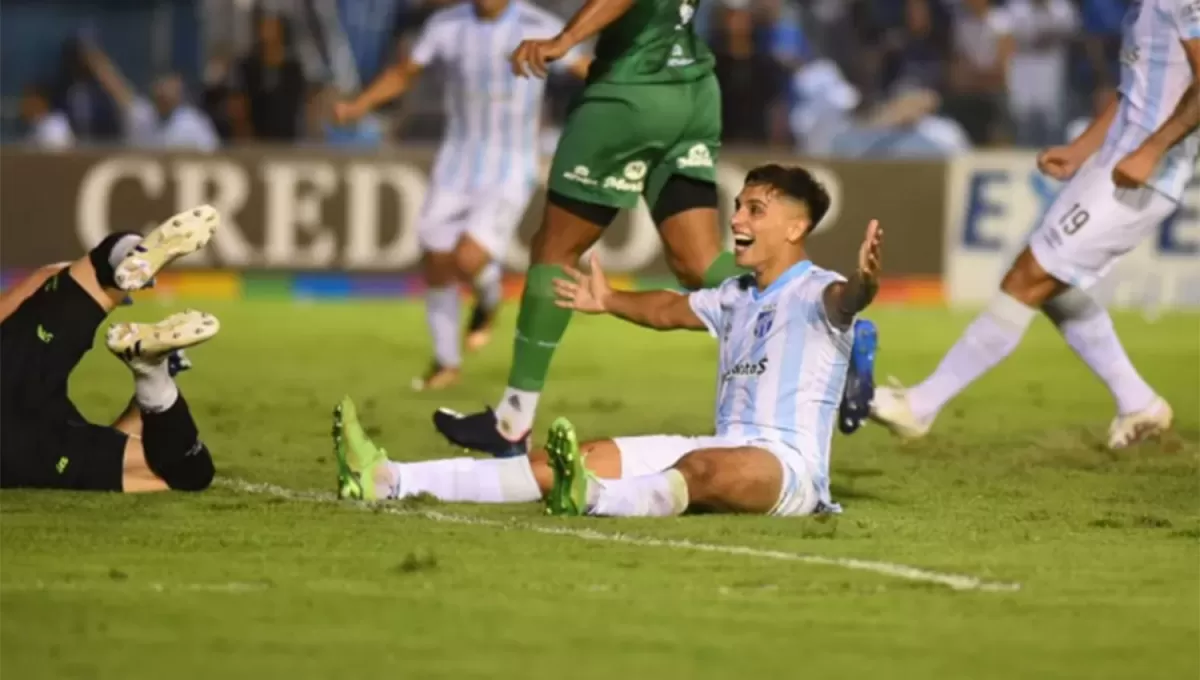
[1102,41]
[268,92]
[978,67]
[88,109]
[48,128]
[217,94]
[1041,32]
[167,122]
[913,47]
[826,121]
[751,80]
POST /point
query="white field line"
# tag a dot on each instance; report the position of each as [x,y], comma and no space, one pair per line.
[902,571]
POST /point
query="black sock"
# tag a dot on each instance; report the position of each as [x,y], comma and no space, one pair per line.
[174,450]
[101,257]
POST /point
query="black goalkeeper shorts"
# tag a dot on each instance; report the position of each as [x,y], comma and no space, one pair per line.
[45,442]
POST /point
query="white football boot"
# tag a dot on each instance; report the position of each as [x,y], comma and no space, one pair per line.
[144,345]
[891,409]
[1133,428]
[179,235]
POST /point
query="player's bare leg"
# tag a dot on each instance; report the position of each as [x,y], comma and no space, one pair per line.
[729,480]
[476,268]
[562,239]
[442,312]
[1085,325]
[163,450]
[688,221]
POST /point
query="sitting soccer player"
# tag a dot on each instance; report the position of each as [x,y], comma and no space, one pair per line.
[49,321]
[785,335]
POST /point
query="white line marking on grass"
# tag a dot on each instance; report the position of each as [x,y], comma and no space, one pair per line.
[902,571]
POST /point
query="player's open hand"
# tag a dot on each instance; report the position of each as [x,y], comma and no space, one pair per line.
[1135,169]
[346,112]
[1059,162]
[532,57]
[585,293]
[870,254]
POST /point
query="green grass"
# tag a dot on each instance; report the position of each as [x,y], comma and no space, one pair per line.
[1013,486]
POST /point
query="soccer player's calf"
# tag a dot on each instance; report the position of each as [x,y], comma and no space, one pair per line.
[49,323]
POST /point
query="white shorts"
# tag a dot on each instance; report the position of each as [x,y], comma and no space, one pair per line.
[1092,223]
[489,218]
[655,453]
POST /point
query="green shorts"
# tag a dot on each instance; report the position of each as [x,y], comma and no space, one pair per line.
[621,141]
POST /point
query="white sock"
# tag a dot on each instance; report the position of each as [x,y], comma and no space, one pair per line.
[991,337]
[516,412]
[467,480]
[662,494]
[1088,329]
[487,285]
[442,313]
[153,387]
[122,248]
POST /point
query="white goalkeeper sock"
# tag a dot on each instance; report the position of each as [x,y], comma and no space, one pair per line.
[442,313]
[662,494]
[991,337]
[487,286]
[154,389]
[516,411]
[1088,329]
[467,480]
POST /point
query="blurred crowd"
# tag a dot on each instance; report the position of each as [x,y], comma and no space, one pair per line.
[847,78]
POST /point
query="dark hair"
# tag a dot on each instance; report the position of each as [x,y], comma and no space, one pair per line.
[796,183]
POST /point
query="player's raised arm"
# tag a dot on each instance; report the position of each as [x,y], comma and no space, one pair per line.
[393,82]
[1138,167]
[590,293]
[532,56]
[844,300]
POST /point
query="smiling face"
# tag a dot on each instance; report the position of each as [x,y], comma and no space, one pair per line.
[767,223]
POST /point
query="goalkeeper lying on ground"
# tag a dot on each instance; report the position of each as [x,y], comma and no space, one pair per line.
[785,332]
[48,322]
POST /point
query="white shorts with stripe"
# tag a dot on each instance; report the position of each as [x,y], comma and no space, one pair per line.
[490,218]
[654,453]
[1092,223]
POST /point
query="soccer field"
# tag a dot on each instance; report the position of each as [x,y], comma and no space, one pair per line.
[266,577]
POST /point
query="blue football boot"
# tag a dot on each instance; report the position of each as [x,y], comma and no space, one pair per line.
[860,379]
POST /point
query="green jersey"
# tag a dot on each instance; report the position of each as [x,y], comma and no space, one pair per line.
[654,42]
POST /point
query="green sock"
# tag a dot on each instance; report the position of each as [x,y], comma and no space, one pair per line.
[540,325]
[721,269]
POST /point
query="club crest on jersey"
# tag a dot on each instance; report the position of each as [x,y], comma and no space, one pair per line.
[763,322]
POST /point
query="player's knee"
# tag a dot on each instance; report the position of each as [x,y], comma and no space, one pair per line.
[469,260]
[1072,304]
[700,472]
[689,272]
[194,471]
[1027,282]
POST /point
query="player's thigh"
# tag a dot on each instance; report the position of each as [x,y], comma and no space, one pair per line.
[494,220]
[743,479]
[1092,223]
[443,219]
[694,150]
[648,454]
[612,138]
[69,454]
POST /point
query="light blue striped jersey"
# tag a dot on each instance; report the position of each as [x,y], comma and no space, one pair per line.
[782,363]
[1154,75]
[492,116]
